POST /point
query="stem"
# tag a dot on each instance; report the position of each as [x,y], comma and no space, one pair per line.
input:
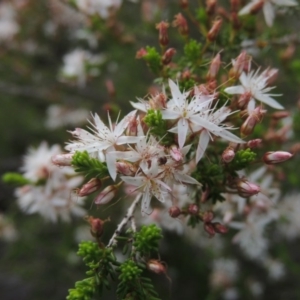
[113,242]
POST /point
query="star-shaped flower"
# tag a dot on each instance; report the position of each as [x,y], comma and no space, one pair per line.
[256,85]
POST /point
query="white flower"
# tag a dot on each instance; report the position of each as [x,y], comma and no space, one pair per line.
[268,8]
[256,85]
[51,188]
[150,184]
[103,139]
[8,23]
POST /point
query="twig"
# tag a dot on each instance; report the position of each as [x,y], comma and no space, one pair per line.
[128,216]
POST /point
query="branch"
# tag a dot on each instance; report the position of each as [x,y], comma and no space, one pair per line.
[128,216]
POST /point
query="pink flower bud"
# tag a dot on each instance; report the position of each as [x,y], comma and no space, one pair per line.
[156,266]
[131,129]
[254,117]
[247,189]
[214,67]
[228,155]
[163,33]
[90,187]
[168,55]
[213,32]
[106,195]
[234,5]
[126,168]
[141,53]
[62,159]
[278,115]
[219,228]
[211,6]
[174,211]
[207,216]
[209,228]
[244,100]
[276,157]
[193,209]
[254,143]
[96,226]
[181,23]
[176,153]
[240,64]
[270,74]
[158,102]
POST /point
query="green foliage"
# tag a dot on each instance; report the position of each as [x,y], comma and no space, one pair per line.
[201,15]
[15,178]
[147,239]
[132,285]
[90,167]
[242,159]
[192,51]
[153,60]
[158,126]
[100,262]
[212,176]
[84,290]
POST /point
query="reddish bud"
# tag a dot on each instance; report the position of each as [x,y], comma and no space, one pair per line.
[244,100]
[276,157]
[174,211]
[168,55]
[96,226]
[288,53]
[213,32]
[131,129]
[280,115]
[193,209]
[234,5]
[271,75]
[214,67]
[257,7]
[255,117]
[106,195]
[254,143]
[126,168]
[228,155]
[241,64]
[219,228]
[90,187]
[175,153]
[62,160]
[236,23]
[156,266]
[141,53]
[207,216]
[211,6]
[247,189]
[110,88]
[181,24]
[163,33]
[158,102]
[209,228]
[184,4]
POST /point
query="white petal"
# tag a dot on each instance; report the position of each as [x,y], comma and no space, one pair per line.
[185,178]
[246,10]
[111,165]
[128,140]
[202,145]
[182,131]
[269,101]
[225,134]
[285,2]
[269,13]
[238,89]
[168,114]
[136,181]
[121,126]
[177,96]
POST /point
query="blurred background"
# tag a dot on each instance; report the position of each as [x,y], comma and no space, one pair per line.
[60,63]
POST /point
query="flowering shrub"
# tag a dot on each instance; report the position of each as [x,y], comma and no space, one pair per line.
[211,148]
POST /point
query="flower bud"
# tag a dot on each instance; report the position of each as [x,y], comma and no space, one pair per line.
[219,228]
[96,226]
[184,4]
[228,155]
[211,6]
[174,211]
[106,195]
[168,55]
[193,209]
[158,102]
[207,216]
[254,143]
[163,33]
[182,25]
[244,100]
[276,157]
[234,5]
[209,228]
[257,7]
[175,153]
[110,88]
[254,117]
[214,67]
[126,168]
[62,160]
[131,129]
[240,64]
[213,32]
[90,187]
[141,53]
[236,23]
[278,115]
[156,266]
[271,75]
[247,189]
